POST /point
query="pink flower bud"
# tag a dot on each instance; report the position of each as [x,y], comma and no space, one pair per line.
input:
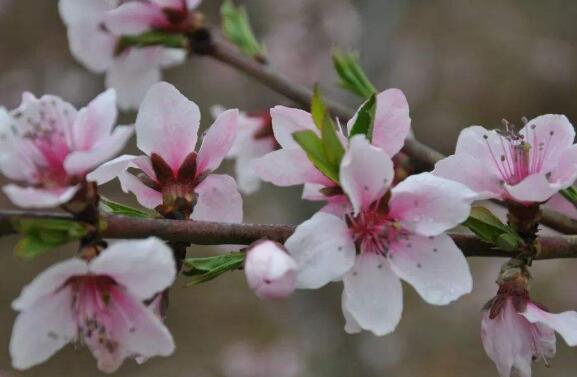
[270,270]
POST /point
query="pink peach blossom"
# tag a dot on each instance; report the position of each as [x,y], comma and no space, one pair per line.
[166,131]
[388,235]
[527,166]
[270,271]
[515,332]
[94,31]
[290,166]
[255,139]
[48,147]
[99,304]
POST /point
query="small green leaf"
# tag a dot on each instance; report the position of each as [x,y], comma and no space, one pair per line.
[151,38]
[570,193]
[237,29]
[318,108]
[351,75]
[204,269]
[115,208]
[332,146]
[315,150]
[490,229]
[365,121]
[42,235]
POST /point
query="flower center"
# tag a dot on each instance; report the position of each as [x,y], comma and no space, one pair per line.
[519,153]
[374,231]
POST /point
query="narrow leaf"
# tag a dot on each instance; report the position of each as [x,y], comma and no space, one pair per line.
[351,75]
[318,108]
[208,268]
[236,27]
[365,121]
[115,208]
[332,146]
[314,148]
[490,229]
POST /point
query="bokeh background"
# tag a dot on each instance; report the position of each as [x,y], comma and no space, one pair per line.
[460,62]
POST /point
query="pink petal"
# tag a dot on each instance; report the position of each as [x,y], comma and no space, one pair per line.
[135,18]
[15,163]
[478,142]
[84,161]
[565,171]
[91,46]
[112,169]
[288,167]
[560,204]
[167,124]
[144,267]
[323,250]
[94,122]
[131,81]
[473,173]
[557,134]
[270,271]
[42,329]
[146,196]
[217,141]
[174,4]
[75,12]
[534,188]
[30,197]
[434,266]
[366,173]
[286,121]
[247,178]
[373,295]
[429,205]
[564,323]
[218,200]
[48,282]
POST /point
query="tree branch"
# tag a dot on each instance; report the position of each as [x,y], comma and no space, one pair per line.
[227,54]
[207,233]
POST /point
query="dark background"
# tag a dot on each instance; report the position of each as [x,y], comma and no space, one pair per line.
[459,62]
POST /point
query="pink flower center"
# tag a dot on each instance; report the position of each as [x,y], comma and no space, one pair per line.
[374,230]
[519,155]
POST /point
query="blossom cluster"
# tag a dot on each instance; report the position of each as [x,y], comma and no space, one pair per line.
[378,226]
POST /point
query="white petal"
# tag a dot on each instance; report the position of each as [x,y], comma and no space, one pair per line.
[429,205]
[351,324]
[111,169]
[30,197]
[564,323]
[144,267]
[146,196]
[323,249]
[373,295]
[43,329]
[94,122]
[366,173]
[217,141]
[534,188]
[48,282]
[218,200]
[435,267]
[131,83]
[167,124]
[286,121]
[91,46]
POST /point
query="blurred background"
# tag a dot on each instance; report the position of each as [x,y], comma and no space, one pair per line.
[460,62]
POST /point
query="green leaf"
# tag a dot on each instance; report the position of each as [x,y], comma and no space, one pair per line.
[490,229]
[43,235]
[115,208]
[151,38]
[318,108]
[351,75]
[204,269]
[365,121]
[332,146]
[237,29]
[570,194]
[315,149]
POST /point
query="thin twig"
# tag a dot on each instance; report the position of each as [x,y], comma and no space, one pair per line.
[228,55]
[207,233]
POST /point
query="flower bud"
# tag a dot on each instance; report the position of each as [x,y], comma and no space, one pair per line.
[270,270]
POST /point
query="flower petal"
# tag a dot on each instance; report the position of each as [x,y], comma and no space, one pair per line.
[167,124]
[534,188]
[131,82]
[91,46]
[269,270]
[82,11]
[288,167]
[351,324]
[560,204]
[135,18]
[478,142]
[429,205]
[286,121]
[564,323]
[565,171]
[84,161]
[323,250]
[373,295]
[434,266]
[40,331]
[144,267]
[30,197]
[247,178]
[112,169]
[218,200]
[217,141]
[146,196]
[366,173]
[48,282]
[94,122]
[473,173]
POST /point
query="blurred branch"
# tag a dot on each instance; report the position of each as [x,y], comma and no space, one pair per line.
[208,233]
[227,54]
